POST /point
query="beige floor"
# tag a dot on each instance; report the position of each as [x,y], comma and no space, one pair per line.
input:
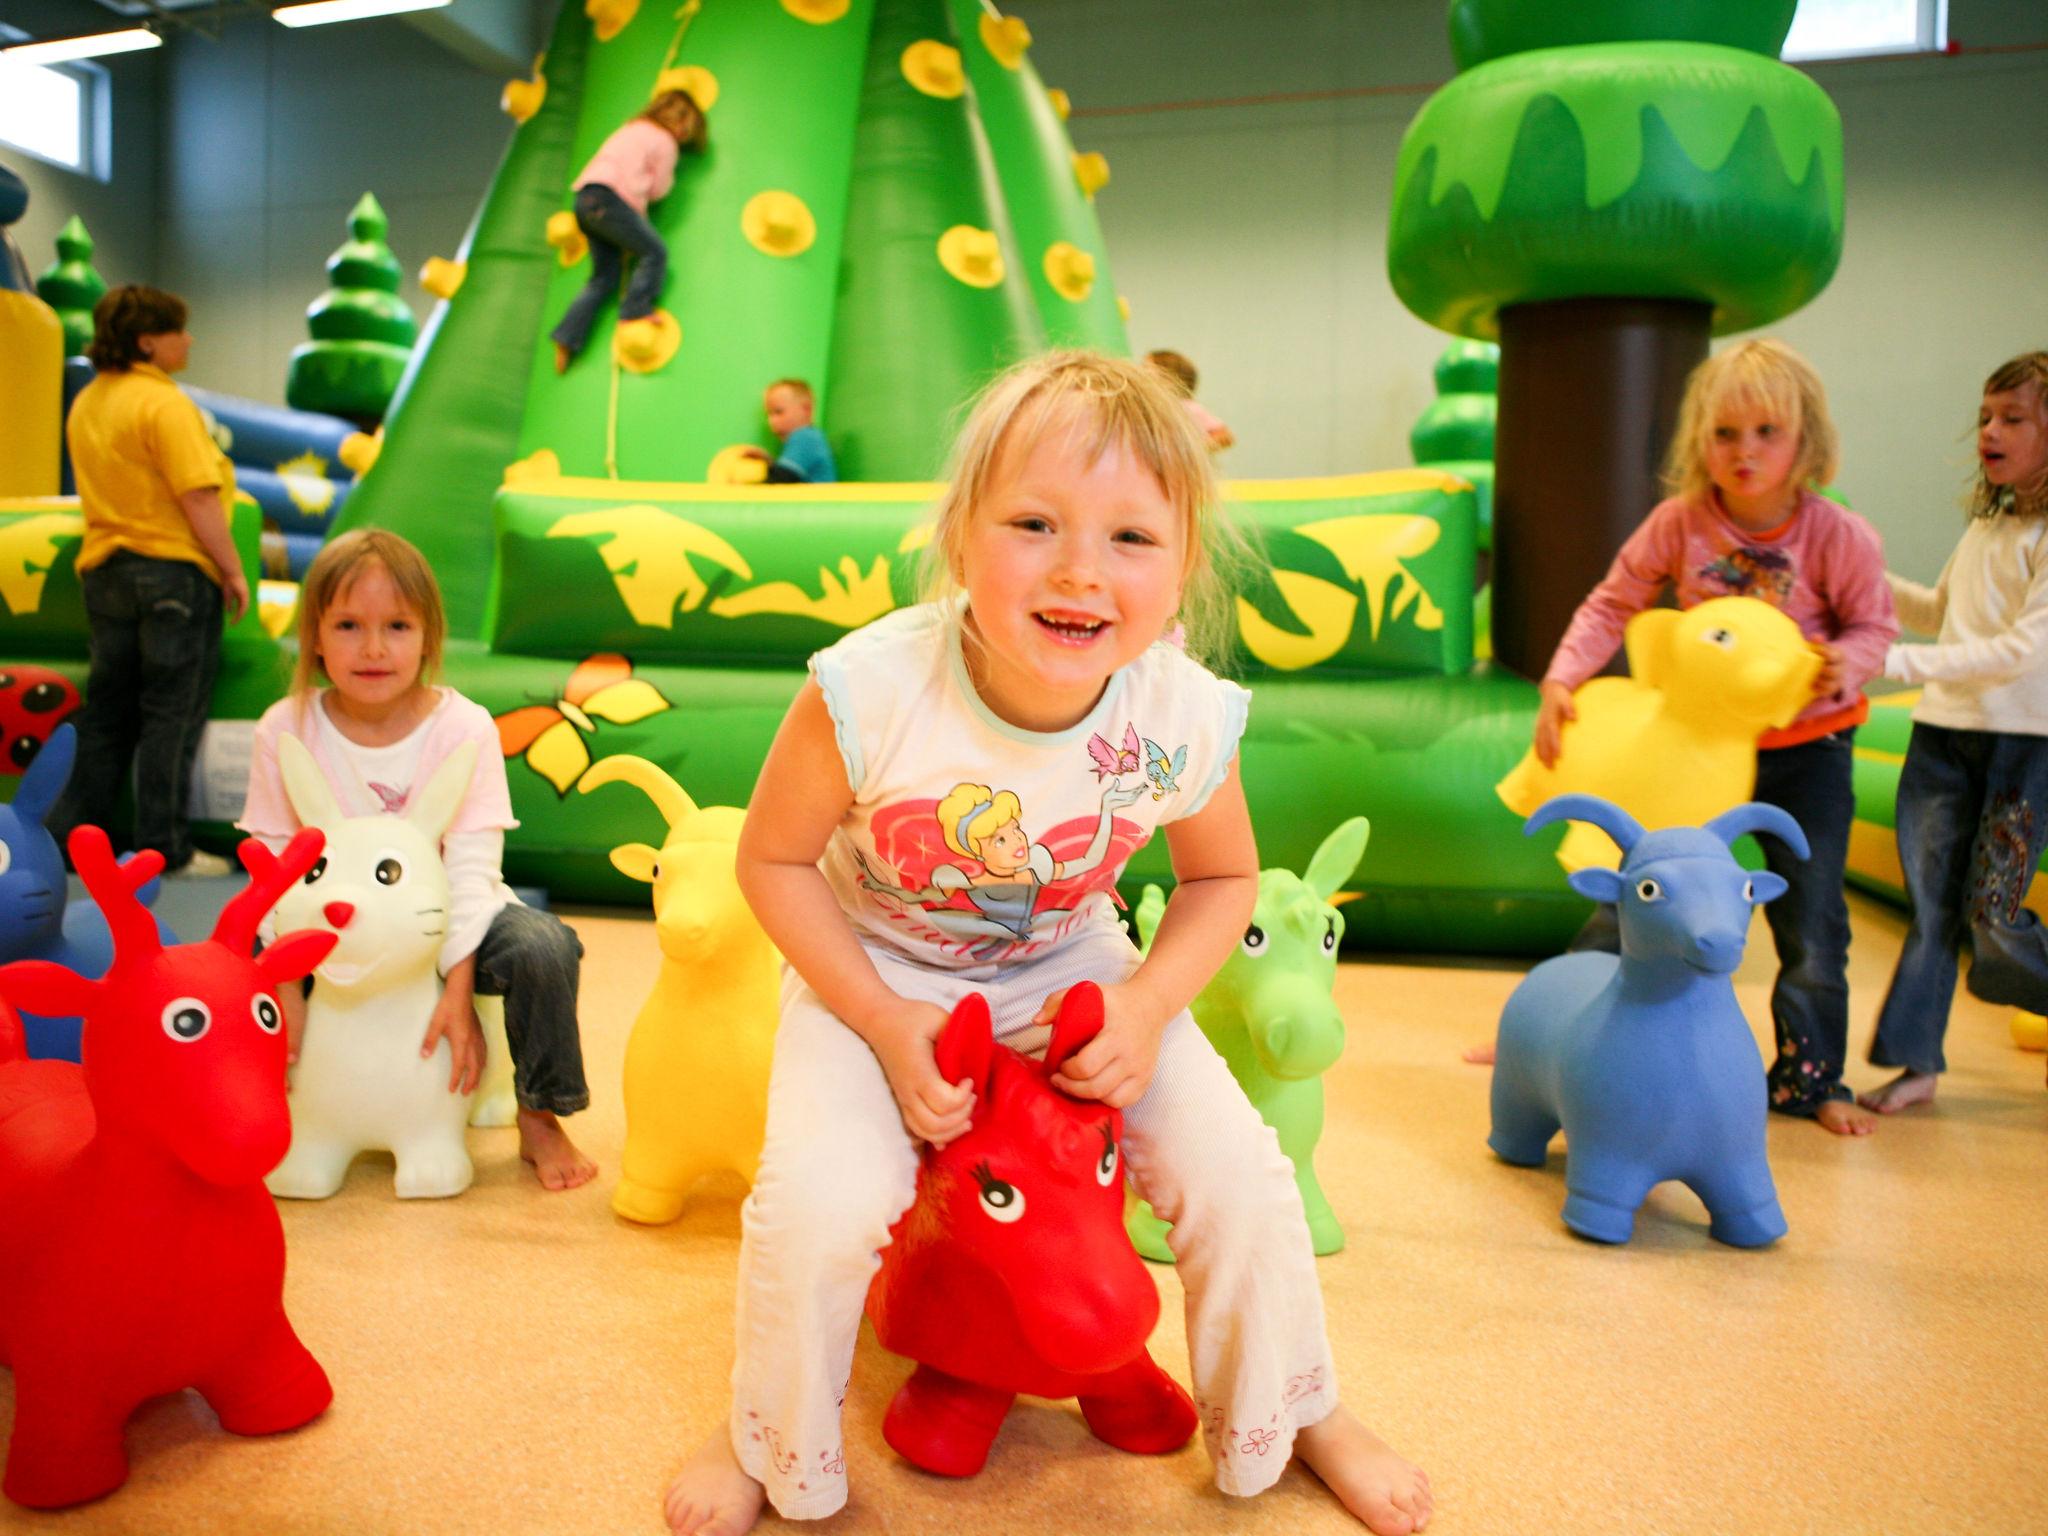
[514,1362]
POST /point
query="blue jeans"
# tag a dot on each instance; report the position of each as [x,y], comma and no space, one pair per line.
[615,228]
[532,960]
[155,647]
[1973,816]
[1809,923]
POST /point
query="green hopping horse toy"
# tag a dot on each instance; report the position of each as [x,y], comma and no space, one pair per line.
[1270,1015]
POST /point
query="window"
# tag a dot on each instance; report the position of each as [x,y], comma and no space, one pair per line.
[56,112]
[1845,29]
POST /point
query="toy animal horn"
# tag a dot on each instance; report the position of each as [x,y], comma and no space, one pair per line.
[669,797]
[967,1044]
[270,876]
[1079,1021]
[1758,817]
[114,886]
[1604,814]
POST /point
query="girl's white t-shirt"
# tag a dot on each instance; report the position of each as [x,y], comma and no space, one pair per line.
[972,842]
[1989,669]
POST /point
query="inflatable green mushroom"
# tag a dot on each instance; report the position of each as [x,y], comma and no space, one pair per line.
[71,287]
[1603,187]
[1455,434]
[362,330]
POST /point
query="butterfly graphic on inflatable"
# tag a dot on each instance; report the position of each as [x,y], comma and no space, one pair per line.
[1112,762]
[602,687]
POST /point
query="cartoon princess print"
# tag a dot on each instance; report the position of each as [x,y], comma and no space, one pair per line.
[986,825]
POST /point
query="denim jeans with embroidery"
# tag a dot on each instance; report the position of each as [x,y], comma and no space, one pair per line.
[1972,818]
[616,229]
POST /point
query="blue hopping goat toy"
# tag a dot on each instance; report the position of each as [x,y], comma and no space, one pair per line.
[1643,1058]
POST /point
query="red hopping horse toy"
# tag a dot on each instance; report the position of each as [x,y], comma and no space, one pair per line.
[143,1254]
[1011,1271]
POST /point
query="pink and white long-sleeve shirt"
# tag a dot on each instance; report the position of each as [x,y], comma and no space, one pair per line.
[638,162]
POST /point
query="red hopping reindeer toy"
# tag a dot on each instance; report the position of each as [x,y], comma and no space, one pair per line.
[142,1253]
[1011,1272]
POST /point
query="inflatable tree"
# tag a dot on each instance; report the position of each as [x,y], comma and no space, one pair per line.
[362,330]
[71,287]
[1601,188]
[1455,434]
[888,206]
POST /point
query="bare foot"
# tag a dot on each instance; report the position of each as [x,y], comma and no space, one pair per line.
[1902,1092]
[1386,1491]
[1479,1055]
[1844,1118]
[543,1143]
[563,357]
[712,1496]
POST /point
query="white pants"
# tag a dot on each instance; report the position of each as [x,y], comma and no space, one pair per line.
[838,1168]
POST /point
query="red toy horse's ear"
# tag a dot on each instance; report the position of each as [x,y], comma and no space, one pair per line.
[966,1044]
[295,955]
[44,987]
[13,1039]
[1079,1021]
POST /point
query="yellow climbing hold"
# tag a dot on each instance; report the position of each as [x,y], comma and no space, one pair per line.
[972,255]
[1091,171]
[740,464]
[541,464]
[778,224]
[1062,103]
[1070,270]
[694,78]
[567,237]
[1006,38]
[1123,307]
[609,17]
[359,450]
[643,345]
[442,277]
[522,98]
[816,12]
[934,68]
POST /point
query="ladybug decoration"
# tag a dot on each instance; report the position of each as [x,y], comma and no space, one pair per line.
[33,702]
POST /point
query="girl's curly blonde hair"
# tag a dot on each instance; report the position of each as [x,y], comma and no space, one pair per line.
[1766,375]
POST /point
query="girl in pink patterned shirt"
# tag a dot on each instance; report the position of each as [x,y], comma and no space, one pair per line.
[1754,442]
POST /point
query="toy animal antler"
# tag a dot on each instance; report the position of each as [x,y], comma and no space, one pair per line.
[669,797]
[1604,814]
[1759,817]
[114,886]
[270,876]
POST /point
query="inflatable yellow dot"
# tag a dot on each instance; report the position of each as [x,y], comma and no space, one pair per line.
[694,78]
[643,345]
[778,224]
[972,255]
[1062,103]
[1123,307]
[359,450]
[1092,172]
[1006,38]
[739,464]
[541,464]
[609,17]
[277,604]
[522,98]
[567,237]
[1070,270]
[816,12]
[934,68]
[442,277]
[2030,1031]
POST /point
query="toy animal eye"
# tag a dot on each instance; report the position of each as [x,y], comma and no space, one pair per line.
[1003,1201]
[1329,937]
[1649,890]
[1255,940]
[1724,638]
[264,1010]
[319,868]
[6,858]
[1749,890]
[186,1019]
[22,750]
[389,871]
[42,698]
[1105,1165]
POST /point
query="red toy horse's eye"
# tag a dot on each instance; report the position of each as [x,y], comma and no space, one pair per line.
[1105,1166]
[1002,1200]
[186,1019]
[264,1010]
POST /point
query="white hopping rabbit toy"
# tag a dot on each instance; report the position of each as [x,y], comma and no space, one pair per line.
[361,1084]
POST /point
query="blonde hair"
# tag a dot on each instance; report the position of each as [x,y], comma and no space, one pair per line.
[1765,375]
[668,110]
[335,569]
[1986,499]
[965,829]
[1110,402]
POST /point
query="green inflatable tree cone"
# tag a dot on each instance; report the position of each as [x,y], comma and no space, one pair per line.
[362,330]
[887,206]
[71,287]
[1455,434]
[1601,188]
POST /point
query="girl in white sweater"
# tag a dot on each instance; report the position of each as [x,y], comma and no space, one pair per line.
[1973,796]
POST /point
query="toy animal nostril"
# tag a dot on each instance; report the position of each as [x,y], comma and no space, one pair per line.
[338,913]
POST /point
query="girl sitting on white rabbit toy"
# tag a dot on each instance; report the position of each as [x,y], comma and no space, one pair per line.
[371,629]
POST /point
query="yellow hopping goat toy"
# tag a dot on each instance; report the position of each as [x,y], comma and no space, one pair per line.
[1674,743]
[697,1060]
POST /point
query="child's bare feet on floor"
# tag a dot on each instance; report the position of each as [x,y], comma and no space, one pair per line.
[1902,1092]
[712,1496]
[1845,1118]
[543,1143]
[1385,1490]
[1479,1055]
